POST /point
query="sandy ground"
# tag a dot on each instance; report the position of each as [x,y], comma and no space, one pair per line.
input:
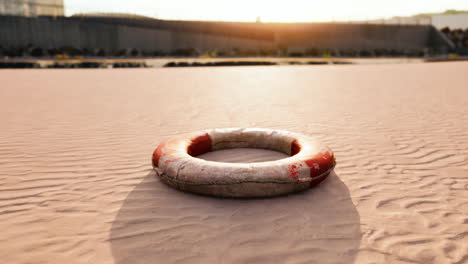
[76,184]
[160,62]
[243,155]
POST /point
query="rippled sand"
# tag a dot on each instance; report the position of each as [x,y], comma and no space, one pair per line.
[76,184]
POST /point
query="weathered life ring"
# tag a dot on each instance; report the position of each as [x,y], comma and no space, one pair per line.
[309,163]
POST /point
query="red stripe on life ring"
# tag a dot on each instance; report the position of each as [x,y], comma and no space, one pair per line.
[157,154]
[295,147]
[200,145]
[319,164]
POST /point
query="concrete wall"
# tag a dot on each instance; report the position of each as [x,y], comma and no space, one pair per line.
[355,36]
[156,35]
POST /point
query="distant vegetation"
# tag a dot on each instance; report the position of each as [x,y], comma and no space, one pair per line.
[116,15]
[446,12]
[429,15]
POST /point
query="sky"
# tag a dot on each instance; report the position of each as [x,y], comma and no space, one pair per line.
[267,10]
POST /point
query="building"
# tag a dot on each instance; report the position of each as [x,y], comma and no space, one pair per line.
[455,21]
[32,8]
[399,21]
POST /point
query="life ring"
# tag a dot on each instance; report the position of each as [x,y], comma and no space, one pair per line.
[309,163]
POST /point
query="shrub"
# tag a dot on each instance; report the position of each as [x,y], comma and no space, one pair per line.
[158,53]
[312,52]
[283,51]
[70,51]
[350,53]
[364,53]
[15,52]
[86,52]
[37,52]
[326,54]
[100,53]
[296,54]
[121,53]
[265,52]
[134,52]
[52,52]
[223,53]
[187,52]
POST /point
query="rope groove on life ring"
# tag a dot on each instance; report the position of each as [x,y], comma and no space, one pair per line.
[309,164]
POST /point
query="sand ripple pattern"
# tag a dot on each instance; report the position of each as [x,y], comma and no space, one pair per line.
[76,184]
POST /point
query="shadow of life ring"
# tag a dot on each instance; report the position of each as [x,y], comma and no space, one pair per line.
[175,162]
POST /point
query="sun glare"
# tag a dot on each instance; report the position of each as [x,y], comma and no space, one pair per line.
[269,11]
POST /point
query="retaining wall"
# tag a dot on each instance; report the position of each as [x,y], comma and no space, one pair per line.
[150,35]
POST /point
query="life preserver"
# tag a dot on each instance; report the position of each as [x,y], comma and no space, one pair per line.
[309,163]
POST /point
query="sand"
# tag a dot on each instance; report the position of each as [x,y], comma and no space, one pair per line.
[76,184]
[243,155]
